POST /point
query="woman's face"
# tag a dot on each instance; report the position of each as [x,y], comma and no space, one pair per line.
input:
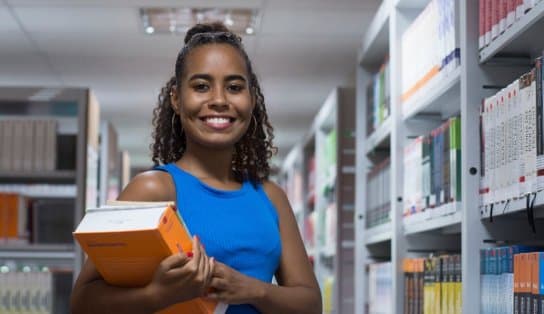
[215,104]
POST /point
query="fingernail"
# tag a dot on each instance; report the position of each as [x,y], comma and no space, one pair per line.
[189,254]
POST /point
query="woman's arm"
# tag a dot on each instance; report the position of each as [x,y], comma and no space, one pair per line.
[177,278]
[298,291]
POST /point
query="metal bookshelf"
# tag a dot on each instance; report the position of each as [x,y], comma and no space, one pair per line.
[77,113]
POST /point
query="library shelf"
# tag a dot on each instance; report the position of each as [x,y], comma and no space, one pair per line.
[378,138]
[513,206]
[441,95]
[447,215]
[37,251]
[521,38]
[57,176]
[376,41]
[378,234]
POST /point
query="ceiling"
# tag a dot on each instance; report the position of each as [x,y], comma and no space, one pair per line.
[302,49]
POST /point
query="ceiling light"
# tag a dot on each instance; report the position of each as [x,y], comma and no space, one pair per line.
[179,20]
[228,21]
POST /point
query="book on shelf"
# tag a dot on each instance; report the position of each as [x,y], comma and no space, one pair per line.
[35,145]
[434,36]
[378,97]
[512,139]
[432,171]
[114,237]
[433,284]
[496,16]
[380,287]
[511,279]
[378,198]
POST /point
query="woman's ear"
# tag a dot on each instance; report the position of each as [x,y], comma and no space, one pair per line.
[174,99]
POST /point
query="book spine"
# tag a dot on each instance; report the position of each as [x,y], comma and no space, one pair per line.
[481,24]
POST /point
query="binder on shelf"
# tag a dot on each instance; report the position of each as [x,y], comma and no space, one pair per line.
[113,237]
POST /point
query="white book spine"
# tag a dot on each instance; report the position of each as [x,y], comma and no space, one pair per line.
[516,96]
[520,10]
[502,21]
[488,23]
[533,136]
[511,15]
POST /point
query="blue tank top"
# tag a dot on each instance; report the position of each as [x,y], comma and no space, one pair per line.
[238,228]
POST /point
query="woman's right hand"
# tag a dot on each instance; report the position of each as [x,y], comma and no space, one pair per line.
[181,277]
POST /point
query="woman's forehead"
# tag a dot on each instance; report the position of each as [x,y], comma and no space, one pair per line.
[212,58]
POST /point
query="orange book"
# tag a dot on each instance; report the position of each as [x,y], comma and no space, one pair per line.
[126,243]
[13,218]
[534,258]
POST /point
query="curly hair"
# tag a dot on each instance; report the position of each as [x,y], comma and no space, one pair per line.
[253,151]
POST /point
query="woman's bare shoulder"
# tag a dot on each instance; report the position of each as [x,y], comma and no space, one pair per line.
[149,186]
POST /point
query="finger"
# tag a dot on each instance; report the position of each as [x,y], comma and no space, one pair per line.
[174,261]
[210,273]
[196,251]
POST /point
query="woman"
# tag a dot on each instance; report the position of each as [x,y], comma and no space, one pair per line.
[213,139]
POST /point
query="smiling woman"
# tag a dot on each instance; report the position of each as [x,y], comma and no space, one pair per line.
[212,145]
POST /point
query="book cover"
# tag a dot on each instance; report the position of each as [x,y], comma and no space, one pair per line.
[115,236]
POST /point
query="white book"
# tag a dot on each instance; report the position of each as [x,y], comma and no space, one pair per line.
[481,21]
[511,15]
[510,175]
[18,130]
[51,145]
[488,19]
[39,145]
[502,21]
[495,160]
[28,144]
[495,19]
[518,139]
[532,170]
[520,10]
[526,132]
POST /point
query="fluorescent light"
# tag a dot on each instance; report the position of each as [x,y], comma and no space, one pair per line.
[150,29]
[179,20]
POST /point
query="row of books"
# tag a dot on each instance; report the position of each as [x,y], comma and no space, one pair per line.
[512,139]
[378,96]
[35,221]
[496,16]
[32,145]
[34,290]
[378,198]
[432,169]
[430,46]
[380,288]
[327,229]
[512,280]
[432,285]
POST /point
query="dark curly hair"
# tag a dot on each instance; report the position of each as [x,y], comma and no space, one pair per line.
[253,151]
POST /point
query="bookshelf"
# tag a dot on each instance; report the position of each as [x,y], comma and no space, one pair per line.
[51,135]
[462,226]
[318,176]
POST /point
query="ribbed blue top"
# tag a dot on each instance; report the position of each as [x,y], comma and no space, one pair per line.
[237,227]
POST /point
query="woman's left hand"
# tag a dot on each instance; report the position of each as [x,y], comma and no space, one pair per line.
[232,287]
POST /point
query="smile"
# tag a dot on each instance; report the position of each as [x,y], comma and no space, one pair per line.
[218,123]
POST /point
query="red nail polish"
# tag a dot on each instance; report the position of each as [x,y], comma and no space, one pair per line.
[189,254]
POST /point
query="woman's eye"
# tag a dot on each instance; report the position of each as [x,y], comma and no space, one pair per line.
[235,88]
[200,87]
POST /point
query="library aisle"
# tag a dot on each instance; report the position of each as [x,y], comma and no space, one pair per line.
[449,144]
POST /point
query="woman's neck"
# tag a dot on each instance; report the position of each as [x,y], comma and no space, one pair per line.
[205,163]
